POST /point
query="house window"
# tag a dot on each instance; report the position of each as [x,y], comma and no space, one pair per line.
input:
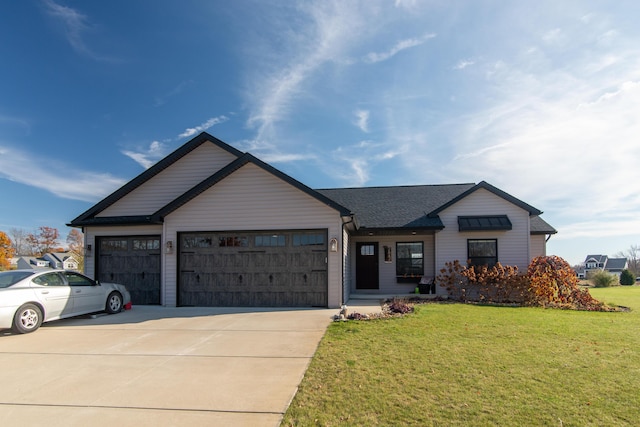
[482,252]
[591,265]
[409,260]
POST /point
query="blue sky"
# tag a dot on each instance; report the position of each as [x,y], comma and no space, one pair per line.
[539,98]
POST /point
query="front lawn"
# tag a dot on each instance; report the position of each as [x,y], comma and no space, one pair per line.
[463,364]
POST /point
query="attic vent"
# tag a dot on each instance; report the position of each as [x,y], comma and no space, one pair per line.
[484,223]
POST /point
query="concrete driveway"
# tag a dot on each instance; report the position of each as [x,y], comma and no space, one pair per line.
[157,366]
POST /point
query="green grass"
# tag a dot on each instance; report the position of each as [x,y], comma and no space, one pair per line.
[459,364]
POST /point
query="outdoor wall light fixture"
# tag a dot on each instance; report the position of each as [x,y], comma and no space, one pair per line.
[333,245]
[87,251]
[169,246]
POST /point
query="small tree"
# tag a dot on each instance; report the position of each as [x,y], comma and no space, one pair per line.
[75,241]
[603,279]
[633,258]
[19,241]
[626,277]
[44,240]
[6,251]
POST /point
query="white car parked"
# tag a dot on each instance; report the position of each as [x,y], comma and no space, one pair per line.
[30,297]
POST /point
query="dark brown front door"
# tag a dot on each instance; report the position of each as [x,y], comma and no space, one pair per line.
[367,265]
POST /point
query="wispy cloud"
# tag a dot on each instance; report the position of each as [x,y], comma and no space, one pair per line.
[272,157]
[16,121]
[147,157]
[204,126]
[75,25]
[57,178]
[325,36]
[163,99]
[352,164]
[362,120]
[374,57]
[462,64]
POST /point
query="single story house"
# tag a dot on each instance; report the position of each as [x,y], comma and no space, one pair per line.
[209,225]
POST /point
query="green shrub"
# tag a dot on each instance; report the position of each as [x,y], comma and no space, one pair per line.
[626,278]
[603,279]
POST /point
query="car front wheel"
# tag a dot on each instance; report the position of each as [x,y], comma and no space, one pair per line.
[114,303]
[27,319]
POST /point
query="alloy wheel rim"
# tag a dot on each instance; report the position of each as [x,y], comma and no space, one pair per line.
[29,318]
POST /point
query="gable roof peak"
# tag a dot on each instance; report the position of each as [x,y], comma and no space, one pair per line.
[486,186]
[154,170]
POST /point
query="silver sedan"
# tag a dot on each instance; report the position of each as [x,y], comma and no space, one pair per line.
[30,297]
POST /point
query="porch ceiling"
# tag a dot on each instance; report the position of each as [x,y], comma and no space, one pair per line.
[363,231]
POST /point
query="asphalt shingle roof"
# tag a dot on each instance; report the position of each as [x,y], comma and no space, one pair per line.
[396,207]
[540,226]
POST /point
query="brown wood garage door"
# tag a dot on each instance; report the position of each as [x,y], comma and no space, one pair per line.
[253,269]
[133,262]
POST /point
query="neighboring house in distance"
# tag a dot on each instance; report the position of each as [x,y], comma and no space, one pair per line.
[593,263]
[63,260]
[30,262]
[13,262]
[209,225]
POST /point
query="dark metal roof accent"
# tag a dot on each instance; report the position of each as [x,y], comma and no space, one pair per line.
[485,185]
[228,170]
[151,172]
[484,223]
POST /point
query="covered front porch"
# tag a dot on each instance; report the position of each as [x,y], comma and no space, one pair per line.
[391,263]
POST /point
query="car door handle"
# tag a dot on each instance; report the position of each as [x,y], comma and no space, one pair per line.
[45,292]
[78,291]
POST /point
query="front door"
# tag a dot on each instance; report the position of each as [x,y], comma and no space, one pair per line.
[367,265]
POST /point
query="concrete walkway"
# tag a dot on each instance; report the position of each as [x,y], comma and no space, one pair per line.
[157,366]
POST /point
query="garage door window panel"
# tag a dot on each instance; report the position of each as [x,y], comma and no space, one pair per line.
[233,241]
[274,240]
[308,239]
[146,244]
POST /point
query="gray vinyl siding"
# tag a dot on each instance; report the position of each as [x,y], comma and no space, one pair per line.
[172,182]
[253,199]
[538,246]
[388,283]
[513,245]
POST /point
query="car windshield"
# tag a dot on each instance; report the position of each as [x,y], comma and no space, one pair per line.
[8,278]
